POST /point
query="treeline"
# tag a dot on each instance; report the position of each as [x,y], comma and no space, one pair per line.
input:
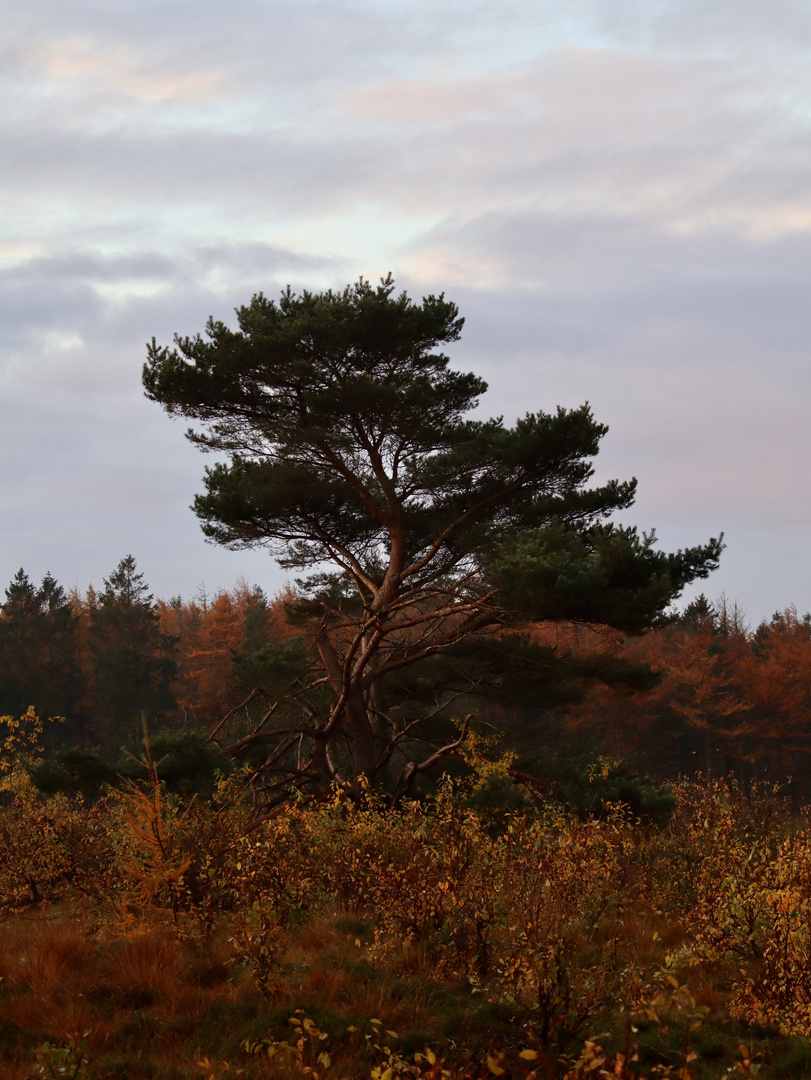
[729,700]
[106,660]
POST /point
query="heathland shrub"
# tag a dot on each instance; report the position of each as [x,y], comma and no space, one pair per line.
[563,922]
[744,898]
[73,770]
[587,781]
[48,847]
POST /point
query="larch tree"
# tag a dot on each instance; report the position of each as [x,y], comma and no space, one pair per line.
[429,539]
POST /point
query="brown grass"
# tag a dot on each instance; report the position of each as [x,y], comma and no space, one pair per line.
[149,961]
[61,977]
[156,999]
[44,952]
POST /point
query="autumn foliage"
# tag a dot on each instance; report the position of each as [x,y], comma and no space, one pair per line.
[729,701]
[566,945]
[704,694]
[488,928]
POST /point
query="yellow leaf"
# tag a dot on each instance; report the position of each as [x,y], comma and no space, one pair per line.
[494,1067]
[528,1055]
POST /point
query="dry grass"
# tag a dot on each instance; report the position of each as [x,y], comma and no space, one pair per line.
[156,1000]
[62,977]
[154,1005]
[148,964]
[43,952]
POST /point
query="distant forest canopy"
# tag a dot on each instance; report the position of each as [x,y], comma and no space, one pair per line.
[729,700]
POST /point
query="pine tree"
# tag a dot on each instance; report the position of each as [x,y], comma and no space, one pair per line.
[430,539]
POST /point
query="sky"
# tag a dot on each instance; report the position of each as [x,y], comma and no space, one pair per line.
[617,196]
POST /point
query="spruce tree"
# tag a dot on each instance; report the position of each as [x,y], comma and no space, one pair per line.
[132,659]
[39,662]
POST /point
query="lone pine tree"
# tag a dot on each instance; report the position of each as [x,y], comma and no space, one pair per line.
[431,540]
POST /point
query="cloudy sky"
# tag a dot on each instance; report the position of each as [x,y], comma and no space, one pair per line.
[617,193]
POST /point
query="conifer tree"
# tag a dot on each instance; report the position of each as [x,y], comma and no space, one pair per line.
[39,664]
[132,660]
[429,539]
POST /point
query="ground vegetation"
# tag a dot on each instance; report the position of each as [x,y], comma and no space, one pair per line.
[152,935]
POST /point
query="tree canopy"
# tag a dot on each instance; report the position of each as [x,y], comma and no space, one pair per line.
[431,541]
[132,663]
[39,650]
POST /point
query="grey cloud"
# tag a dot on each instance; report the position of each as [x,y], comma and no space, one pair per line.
[256,260]
[608,279]
[616,194]
[84,266]
[28,311]
[295,48]
[188,264]
[90,475]
[580,130]
[689,139]
[127,172]
[693,349]
[61,292]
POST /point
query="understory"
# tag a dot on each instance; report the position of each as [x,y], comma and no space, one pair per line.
[147,936]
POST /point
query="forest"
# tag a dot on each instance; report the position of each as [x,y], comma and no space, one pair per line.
[633,904]
[725,700]
[472,797]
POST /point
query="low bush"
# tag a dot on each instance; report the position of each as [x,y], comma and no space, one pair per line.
[484,931]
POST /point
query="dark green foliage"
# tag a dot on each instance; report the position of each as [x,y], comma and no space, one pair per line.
[514,670]
[349,446]
[699,615]
[186,764]
[257,622]
[497,796]
[184,760]
[73,770]
[132,659]
[793,1057]
[274,667]
[39,664]
[606,575]
[588,782]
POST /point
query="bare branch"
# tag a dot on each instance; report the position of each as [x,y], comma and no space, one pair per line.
[413,769]
[254,694]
